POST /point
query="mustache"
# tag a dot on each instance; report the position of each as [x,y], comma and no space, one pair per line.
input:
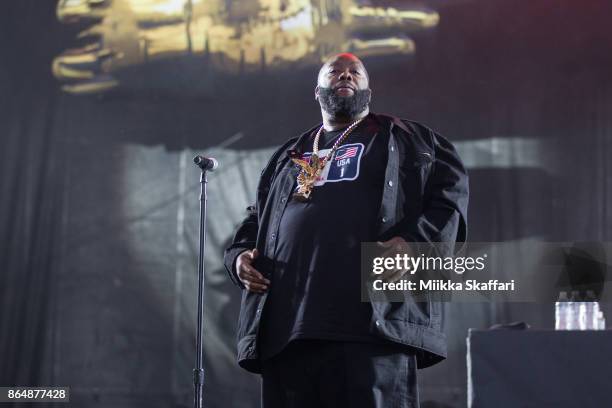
[344,85]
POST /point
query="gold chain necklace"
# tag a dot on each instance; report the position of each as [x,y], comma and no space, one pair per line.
[311,169]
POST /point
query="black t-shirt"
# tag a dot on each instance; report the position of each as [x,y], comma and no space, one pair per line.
[315,289]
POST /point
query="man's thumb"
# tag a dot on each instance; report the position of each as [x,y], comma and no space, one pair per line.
[254,253]
[384,244]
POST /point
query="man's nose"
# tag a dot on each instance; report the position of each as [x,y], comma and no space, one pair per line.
[346,75]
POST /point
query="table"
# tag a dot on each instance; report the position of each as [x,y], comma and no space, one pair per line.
[539,368]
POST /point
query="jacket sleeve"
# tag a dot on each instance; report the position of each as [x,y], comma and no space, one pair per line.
[244,239]
[445,201]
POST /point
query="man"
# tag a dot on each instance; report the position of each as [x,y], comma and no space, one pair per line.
[358,177]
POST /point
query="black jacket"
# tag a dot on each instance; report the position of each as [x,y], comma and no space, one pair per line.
[424,199]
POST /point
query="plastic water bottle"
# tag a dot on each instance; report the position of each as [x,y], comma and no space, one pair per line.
[582,316]
[561,312]
[601,321]
[572,312]
[592,311]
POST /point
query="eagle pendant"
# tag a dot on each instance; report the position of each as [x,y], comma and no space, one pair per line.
[310,170]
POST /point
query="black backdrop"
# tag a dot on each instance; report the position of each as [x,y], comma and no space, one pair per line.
[98,214]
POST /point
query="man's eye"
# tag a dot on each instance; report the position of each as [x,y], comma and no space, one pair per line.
[355,72]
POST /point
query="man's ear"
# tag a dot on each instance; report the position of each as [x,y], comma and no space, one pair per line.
[317,93]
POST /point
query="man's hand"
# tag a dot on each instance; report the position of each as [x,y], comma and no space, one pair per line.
[250,277]
[396,245]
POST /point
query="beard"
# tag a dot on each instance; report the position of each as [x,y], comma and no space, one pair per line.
[344,106]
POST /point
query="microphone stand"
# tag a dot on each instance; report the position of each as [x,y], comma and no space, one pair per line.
[198,372]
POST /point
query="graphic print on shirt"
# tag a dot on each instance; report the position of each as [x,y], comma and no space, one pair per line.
[344,164]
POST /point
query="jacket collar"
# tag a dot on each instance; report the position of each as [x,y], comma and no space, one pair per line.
[381,119]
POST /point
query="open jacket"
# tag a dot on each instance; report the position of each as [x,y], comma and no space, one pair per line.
[424,199]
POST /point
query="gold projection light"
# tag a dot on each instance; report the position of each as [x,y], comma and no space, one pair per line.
[228,36]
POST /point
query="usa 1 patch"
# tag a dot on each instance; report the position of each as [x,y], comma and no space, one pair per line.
[344,164]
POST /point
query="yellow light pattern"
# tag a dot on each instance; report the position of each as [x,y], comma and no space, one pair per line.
[235,36]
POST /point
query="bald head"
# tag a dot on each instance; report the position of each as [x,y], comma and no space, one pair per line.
[345,58]
[343,87]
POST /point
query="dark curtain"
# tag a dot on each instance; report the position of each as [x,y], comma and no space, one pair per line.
[31,189]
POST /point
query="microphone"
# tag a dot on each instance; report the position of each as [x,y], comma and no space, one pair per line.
[206,163]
